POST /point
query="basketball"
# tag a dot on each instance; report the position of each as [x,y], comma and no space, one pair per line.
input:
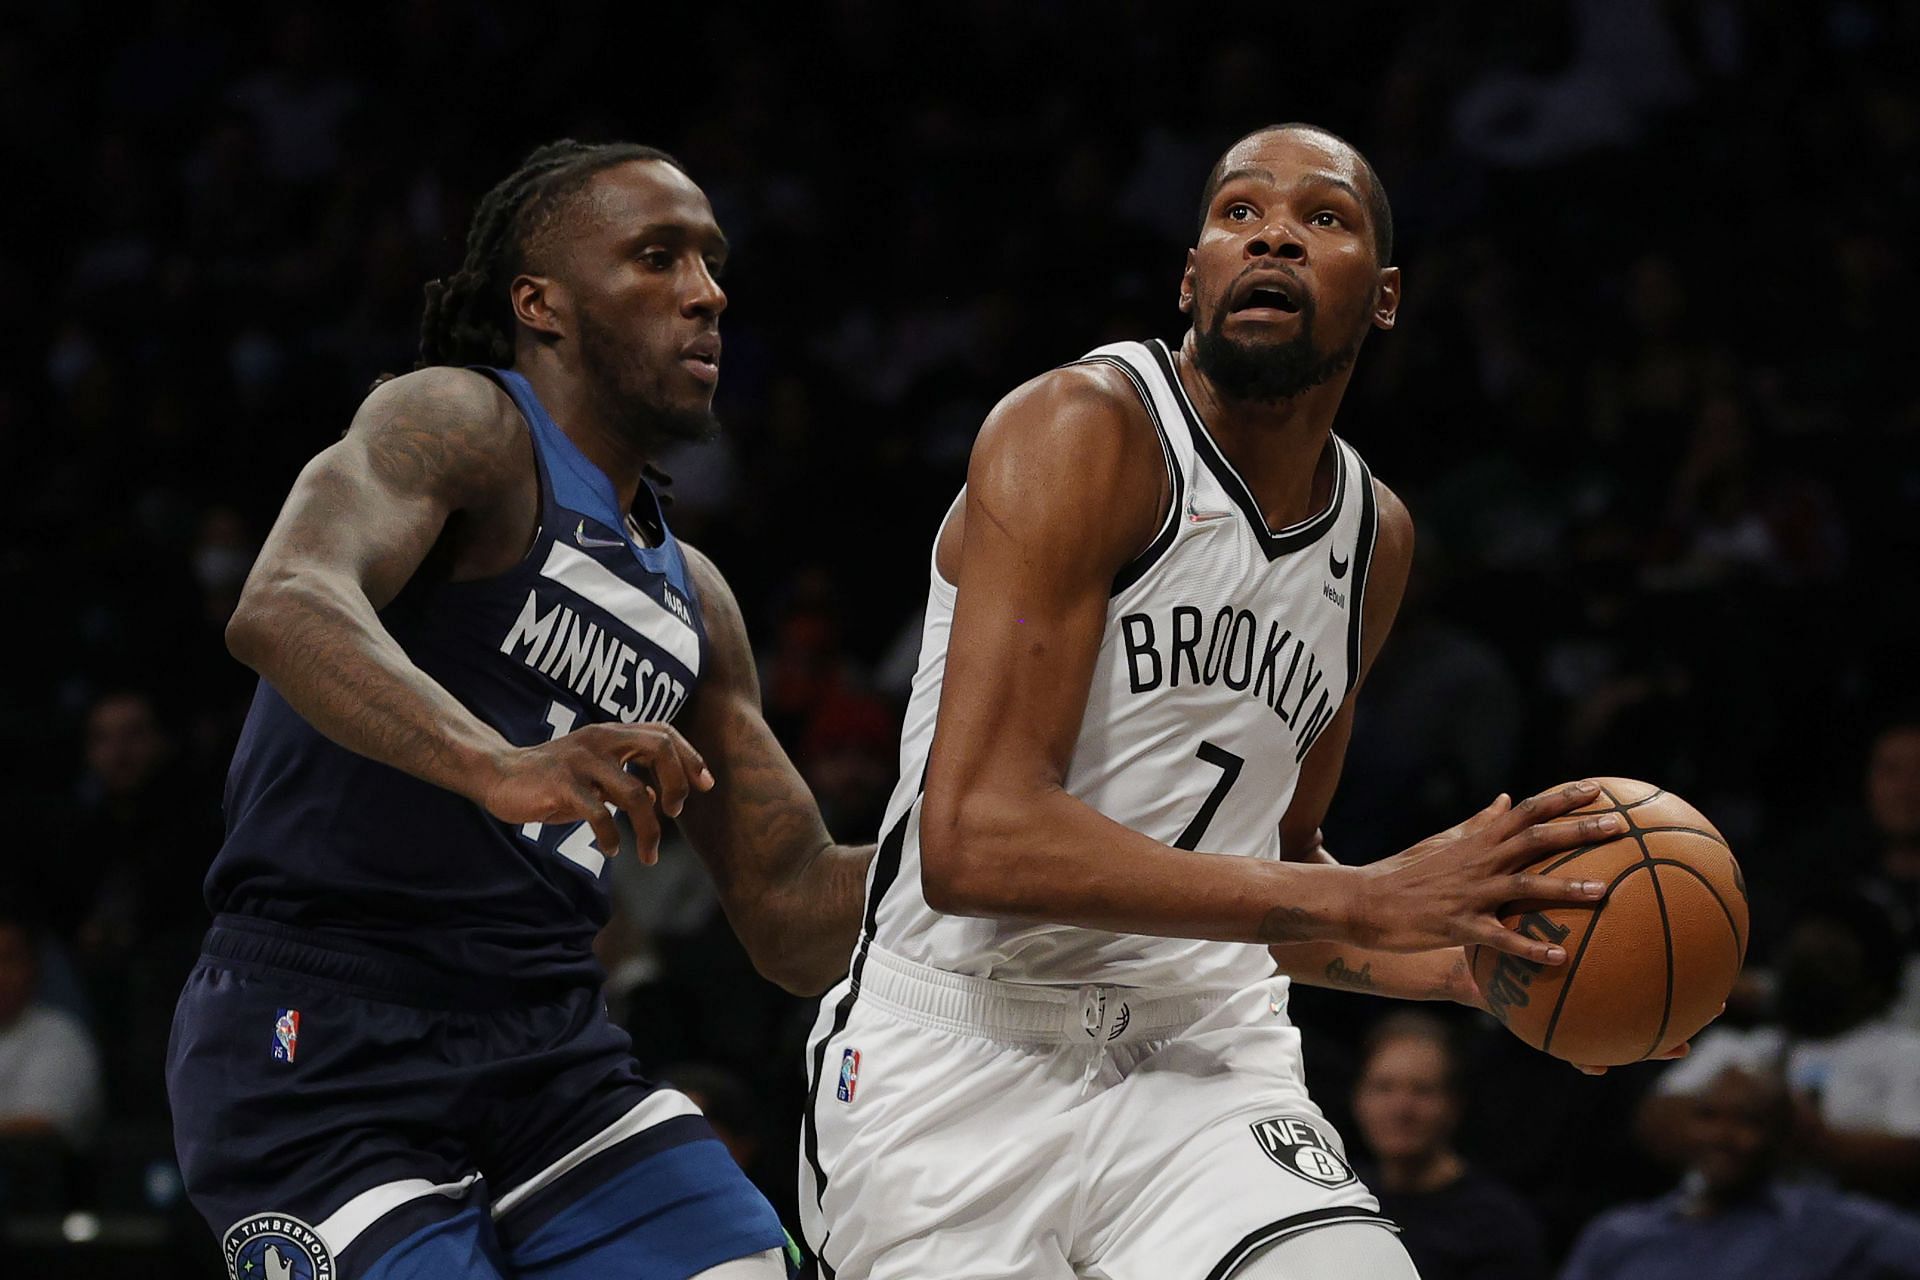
[1648,965]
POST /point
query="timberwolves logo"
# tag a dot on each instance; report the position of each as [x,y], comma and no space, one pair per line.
[1297,1147]
[273,1246]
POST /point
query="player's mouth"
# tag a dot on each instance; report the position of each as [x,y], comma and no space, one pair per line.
[701,357]
[1268,298]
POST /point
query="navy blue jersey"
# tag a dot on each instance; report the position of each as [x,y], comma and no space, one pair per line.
[590,626]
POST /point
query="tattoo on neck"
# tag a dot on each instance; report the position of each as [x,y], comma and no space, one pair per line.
[1287,924]
[1337,971]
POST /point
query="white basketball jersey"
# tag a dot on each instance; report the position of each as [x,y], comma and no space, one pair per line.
[1228,648]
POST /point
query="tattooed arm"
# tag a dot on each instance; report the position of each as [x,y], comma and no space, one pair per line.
[790,892]
[437,462]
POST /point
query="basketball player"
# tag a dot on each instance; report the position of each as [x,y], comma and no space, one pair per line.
[1063,1049]
[475,634]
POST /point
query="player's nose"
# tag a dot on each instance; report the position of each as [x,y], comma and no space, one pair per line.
[1278,239]
[705,298]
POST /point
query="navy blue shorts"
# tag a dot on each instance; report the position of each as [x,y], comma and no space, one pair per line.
[346,1116]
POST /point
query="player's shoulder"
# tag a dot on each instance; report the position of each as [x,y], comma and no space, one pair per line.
[704,574]
[1394,541]
[1085,391]
[1084,419]
[443,427]
[443,397]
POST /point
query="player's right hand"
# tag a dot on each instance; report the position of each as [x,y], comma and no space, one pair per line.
[1449,888]
[585,775]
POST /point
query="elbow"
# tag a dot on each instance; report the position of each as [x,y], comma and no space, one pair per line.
[962,872]
[246,629]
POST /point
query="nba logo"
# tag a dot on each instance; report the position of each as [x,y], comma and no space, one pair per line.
[286,1035]
[849,1075]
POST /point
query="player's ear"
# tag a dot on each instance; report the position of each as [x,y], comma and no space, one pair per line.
[1386,298]
[1186,287]
[535,300]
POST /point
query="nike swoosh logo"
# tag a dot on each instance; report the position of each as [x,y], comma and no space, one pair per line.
[1202,517]
[1336,564]
[580,536]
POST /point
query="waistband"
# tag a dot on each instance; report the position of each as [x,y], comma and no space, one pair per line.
[249,940]
[1025,1014]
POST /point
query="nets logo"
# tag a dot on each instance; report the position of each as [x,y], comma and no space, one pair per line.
[1300,1149]
[849,1075]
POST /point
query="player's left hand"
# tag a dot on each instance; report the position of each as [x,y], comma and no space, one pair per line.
[1678,1051]
[1464,990]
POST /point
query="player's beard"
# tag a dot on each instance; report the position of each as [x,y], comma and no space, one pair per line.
[616,364]
[1265,372]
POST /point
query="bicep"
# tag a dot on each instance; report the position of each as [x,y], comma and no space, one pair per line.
[1057,500]
[371,506]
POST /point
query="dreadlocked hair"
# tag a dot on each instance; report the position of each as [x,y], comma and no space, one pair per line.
[469,316]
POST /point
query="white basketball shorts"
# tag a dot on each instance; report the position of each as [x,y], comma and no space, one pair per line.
[964,1128]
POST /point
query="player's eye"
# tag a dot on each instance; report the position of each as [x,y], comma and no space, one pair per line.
[658,259]
[1326,218]
[1239,211]
[716,267]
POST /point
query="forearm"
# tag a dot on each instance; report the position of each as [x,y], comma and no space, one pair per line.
[1415,975]
[1051,857]
[1419,975]
[814,917]
[320,644]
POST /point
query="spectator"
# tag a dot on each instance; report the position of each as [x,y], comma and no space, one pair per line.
[1734,1218]
[1855,1075]
[1893,810]
[1457,1223]
[49,1069]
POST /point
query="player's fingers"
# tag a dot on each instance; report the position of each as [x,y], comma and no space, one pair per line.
[1680,1050]
[620,787]
[643,830]
[669,777]
[1543,838]
[655,741]
[1591,1071]
[606,836]
[1491,933]
[1501,803]
[1552,889]
[1550,804]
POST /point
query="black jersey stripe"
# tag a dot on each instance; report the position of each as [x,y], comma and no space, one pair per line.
[1274,544]
[1135,569]
[1292,1225]
[886,869]
[1362,557]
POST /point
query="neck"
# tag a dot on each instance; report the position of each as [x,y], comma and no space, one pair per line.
[1422,1173]
[1277,446]
[587,419]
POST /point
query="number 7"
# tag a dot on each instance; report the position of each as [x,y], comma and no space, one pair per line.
[1229,765]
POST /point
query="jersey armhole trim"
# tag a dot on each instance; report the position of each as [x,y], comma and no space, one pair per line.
[1135,569]
[1369,534]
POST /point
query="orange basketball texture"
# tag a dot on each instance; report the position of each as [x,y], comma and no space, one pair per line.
[1647,966]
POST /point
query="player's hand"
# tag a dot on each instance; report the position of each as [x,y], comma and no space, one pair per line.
[639,770]
[1680,1050]
[1448,889]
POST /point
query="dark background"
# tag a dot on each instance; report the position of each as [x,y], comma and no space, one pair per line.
[1649,402]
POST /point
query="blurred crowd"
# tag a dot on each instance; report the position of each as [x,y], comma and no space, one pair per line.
[1648,402]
